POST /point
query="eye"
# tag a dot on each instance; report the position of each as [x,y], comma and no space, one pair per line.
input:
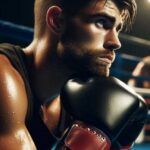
[100,23]
[119,28]
[104,23]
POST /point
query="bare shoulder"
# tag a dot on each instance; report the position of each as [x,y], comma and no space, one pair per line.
[12,89]
[13,108]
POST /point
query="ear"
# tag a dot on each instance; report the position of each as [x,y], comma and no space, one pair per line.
[53,18]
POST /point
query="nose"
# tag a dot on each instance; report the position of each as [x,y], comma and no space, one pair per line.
[112,41]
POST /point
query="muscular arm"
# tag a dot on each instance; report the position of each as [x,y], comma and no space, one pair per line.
[13,109]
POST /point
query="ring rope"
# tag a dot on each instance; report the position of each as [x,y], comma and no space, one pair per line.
[17,32]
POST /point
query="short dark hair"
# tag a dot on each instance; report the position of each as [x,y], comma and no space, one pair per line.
[72,7]
[128,7]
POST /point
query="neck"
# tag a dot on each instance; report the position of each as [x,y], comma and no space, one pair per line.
[48,72]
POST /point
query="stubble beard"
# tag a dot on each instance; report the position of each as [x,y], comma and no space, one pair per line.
[83,61]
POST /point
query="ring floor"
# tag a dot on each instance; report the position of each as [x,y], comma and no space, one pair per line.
[145,146]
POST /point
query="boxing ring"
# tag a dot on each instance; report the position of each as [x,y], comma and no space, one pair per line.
[21,34]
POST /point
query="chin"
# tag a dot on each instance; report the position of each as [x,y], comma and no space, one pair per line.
[101,71]
[92,70]
[105,74]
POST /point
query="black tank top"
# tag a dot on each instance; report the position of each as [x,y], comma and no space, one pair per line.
[40,134]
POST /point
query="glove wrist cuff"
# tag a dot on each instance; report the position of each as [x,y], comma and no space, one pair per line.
[82,137]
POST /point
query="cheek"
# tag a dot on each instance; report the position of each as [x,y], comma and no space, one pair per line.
[92,37]
[84,35]
[98,39]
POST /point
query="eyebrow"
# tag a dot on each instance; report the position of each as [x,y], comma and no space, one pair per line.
[105,15]
[98,15]
[112,19]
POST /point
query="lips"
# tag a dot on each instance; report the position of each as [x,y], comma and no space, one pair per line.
[106,59]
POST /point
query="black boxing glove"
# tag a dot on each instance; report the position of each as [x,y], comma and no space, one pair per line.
[106,109]
[127,137]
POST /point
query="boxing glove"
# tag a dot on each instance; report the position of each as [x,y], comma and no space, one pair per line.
[129,134]
[103,109]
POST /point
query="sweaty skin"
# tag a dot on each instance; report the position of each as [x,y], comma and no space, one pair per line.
[86,44]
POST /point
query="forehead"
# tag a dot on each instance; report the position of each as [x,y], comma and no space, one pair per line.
[101,6]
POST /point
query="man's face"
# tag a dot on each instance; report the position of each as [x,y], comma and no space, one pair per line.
[90,38]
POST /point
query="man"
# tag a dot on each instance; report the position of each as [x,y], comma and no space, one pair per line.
[142,69]
[70,37]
